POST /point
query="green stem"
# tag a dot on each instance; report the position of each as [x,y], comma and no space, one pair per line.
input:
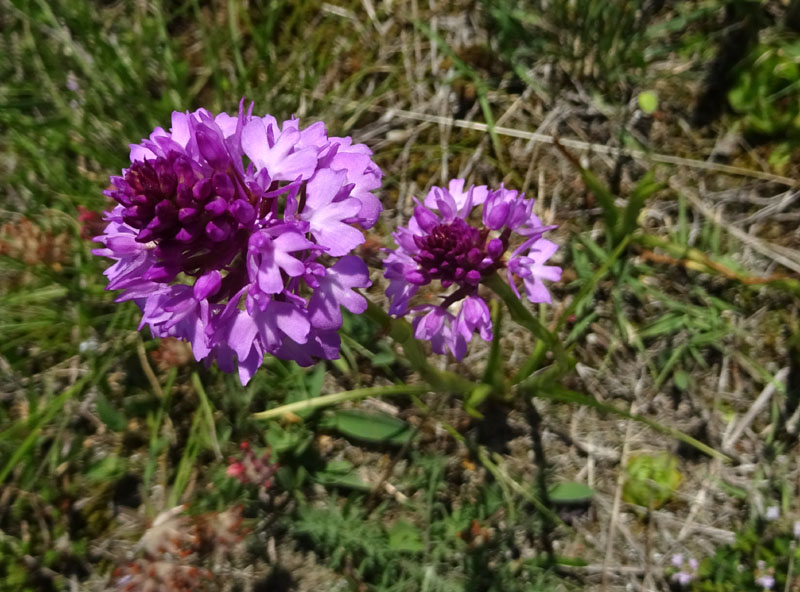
[523,316]
[332,399]
[535,360]
[494,373]
[402,333]
[205,404]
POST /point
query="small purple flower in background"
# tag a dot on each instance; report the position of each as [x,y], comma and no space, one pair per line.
[441,243]
[773,513]
[234,233]
[765,580]
[687,570]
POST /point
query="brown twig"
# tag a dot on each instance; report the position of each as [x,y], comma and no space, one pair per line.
[707,263]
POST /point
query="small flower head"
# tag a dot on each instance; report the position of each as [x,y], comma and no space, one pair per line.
[171,555]
[234,233]
[92,223]
[443,243]
[767,582]
[33,245]
[772,513]
[252,468]
[687,570]
[764,577]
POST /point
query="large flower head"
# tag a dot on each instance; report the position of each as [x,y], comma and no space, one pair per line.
[235,232]
[442,242]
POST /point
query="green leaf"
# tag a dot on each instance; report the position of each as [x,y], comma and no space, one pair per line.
[113,418]
[476,399]
[648,101]
[571,493]
[681,378]
[384,358]
[314,380]
[307,387]
[296,439]
[605,198]
[405,537]
[370,426]
[646,187]
[341,474]
[107,469]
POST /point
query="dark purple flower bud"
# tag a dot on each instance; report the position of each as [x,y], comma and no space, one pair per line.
[145,236]
[474,256]
[167,183]
[224,187]
[187,215]
[140,200]
[166,211]
[219,230]
[217,206]
[243,212]
[495,248]
[160,273]
[203,190]
[133,215]
[473,277]
[184,196]
[186,235]
[184,172]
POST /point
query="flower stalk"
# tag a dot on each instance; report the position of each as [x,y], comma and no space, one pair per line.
[522,316]
[335,398]
[402,333]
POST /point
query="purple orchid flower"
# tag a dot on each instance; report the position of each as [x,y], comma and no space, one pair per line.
[234,232]
[442,243]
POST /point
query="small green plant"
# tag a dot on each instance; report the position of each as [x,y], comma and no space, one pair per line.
[767,90]
[651,479]
[648,101]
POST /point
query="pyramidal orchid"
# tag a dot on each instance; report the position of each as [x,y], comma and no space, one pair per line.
[235,233]
[442,242]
